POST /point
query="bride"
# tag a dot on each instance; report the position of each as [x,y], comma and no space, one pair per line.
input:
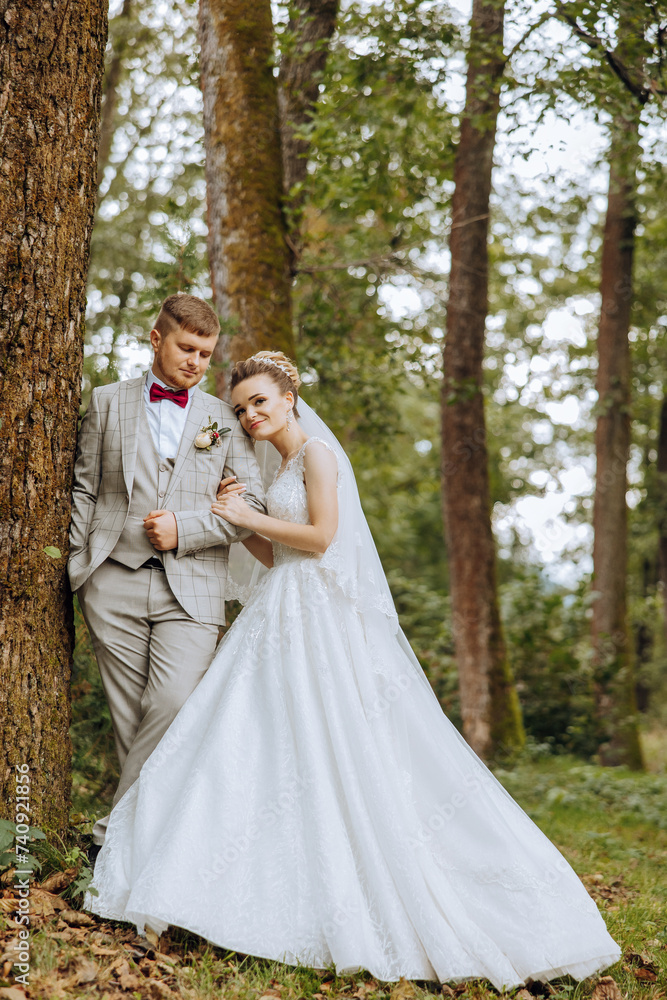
[311,803]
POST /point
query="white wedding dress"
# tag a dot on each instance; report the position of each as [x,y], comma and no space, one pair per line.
[312,804]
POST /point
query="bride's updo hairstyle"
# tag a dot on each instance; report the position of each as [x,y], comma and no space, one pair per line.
[276,365]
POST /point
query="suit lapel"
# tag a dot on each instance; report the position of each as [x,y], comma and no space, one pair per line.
[131,401]
[197,418]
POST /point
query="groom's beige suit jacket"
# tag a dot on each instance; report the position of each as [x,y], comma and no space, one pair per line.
[104,475]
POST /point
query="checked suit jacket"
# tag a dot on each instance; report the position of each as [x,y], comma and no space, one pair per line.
[103,479]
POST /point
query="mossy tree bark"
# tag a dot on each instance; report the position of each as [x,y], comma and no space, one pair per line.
[662,525]
[613,661]
[249,258]
[51,62]
[489,703]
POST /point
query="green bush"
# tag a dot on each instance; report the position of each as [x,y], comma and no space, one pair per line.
[547,643]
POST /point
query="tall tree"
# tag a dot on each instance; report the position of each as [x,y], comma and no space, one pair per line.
[489,703]
[248,252]
[51,61]
[112,78]
[304,55]
[614,679]
[628,89]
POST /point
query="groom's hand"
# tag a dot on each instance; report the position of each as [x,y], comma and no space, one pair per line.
[162,530]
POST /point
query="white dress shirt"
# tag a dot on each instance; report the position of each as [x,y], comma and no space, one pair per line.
[165,419]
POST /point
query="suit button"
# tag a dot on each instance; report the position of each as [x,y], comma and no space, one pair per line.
[161,494]
[163,468]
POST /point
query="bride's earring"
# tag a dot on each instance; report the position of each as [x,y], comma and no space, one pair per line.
[289,418]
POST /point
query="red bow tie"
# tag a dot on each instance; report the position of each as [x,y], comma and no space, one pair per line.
[178,396]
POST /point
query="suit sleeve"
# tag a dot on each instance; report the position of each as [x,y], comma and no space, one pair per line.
[201,529]
[87,475]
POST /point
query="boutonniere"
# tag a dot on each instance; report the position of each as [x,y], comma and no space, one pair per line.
[209,436]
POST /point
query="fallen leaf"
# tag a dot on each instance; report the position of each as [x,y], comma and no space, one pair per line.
[524,995]
[643,960]
[607,989]
[447,991]
[85,971]
[364,989]
[76,919]
[645,975]
[12,993]
[158,991]
[403,990]
[129,981]
[100,950]
[152,938]
[59,880]
[11,947]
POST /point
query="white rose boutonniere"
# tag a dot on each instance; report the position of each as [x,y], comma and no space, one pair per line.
[209,436]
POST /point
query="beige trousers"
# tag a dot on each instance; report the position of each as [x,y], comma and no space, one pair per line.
[151,655]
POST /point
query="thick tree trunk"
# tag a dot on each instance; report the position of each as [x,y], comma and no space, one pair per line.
[120,31]
[489,704]
[614,675]
[662,527]
[51,61]
[248,253]
[309,32]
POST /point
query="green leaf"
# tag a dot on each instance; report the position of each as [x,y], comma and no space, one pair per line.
[53,551]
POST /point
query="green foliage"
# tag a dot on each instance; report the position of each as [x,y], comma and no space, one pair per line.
[149,235]
[19,847]
[587,789]
[548,646]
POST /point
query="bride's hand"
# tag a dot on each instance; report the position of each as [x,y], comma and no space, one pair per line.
[230,487]
[234,509]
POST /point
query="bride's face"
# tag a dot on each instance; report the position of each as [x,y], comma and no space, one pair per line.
[261,407]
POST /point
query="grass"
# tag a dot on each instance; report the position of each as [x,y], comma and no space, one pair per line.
[610,825]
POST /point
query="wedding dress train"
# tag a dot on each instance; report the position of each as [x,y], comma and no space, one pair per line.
[312,804]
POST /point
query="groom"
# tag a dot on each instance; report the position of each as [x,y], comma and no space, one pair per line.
[148,558]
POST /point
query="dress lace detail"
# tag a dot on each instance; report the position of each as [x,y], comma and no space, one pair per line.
[335,814]
[287,500]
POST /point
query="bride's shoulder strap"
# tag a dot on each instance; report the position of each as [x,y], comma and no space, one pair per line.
[327,446]
[321,441]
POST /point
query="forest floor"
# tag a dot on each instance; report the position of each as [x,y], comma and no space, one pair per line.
[610,825]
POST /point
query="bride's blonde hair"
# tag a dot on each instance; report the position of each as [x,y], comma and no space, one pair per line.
[276,365]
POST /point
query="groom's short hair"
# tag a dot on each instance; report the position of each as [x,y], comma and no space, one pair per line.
[188,312]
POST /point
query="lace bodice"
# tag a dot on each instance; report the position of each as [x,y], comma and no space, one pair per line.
[286,499]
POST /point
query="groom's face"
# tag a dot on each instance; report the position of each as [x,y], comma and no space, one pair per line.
[180,358]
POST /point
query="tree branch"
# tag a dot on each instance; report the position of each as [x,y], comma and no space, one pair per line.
[642,93]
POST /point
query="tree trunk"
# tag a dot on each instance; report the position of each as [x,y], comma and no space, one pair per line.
[110,88]
[662,526]
[51,62]
[614,674]
[489,704]
[247,249]
[309,32]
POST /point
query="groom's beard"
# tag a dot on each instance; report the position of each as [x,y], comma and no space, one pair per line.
[178,378]
[181,380]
